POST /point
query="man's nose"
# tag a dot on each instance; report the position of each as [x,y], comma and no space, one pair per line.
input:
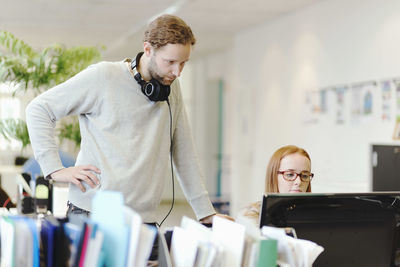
[177,70]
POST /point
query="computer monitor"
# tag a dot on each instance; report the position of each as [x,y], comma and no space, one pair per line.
[355,229]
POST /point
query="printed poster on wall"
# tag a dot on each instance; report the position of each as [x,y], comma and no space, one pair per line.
[396,83]
[323,101]
[340,104]
[313,108]
[386,90]
[362,102]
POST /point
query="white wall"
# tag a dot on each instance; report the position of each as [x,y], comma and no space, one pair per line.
[199,91]
[332,42]
[199,84]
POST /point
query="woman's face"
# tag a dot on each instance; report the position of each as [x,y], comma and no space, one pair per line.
[297,163]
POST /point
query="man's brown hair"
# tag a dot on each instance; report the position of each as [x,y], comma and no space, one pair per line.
[168,29]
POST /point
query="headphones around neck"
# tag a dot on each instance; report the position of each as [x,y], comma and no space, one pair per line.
[153,89]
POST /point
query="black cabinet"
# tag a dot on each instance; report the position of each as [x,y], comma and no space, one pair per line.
[385,161]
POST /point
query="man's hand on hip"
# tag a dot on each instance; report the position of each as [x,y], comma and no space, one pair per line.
[77,175]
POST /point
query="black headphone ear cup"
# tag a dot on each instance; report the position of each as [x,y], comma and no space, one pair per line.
[148,89]
[156,91]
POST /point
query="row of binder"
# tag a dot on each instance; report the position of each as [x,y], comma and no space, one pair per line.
[77,242]
[114,235]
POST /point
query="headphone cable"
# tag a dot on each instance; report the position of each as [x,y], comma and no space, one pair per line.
[172,168]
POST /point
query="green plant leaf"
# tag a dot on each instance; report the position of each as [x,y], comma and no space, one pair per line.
[15,129]
[39,71]
[42,70]
[70,131]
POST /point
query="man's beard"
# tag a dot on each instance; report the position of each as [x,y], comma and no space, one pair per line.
[153,70]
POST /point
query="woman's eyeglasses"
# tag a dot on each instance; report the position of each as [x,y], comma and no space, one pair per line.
[292,175]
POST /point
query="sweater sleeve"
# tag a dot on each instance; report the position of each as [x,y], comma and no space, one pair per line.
[187,164]
[73,97]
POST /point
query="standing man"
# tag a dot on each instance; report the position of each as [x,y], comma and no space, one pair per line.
[131,115]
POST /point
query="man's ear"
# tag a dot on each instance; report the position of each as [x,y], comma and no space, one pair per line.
[147,48]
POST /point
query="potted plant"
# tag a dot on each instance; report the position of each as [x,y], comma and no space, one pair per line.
[28,70]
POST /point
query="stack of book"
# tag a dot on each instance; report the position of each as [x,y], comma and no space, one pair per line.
[114,235]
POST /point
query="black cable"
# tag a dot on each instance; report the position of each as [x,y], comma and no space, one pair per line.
[172,168]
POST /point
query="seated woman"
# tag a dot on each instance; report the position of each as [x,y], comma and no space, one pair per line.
[288,171]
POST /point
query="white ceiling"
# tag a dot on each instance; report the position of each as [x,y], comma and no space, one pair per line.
[119,24]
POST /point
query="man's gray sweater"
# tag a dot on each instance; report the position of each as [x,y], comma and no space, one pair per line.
[124,134]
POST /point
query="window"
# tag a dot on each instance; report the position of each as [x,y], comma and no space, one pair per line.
[10,107]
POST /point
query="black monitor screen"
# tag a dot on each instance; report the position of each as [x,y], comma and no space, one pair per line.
[355,229]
